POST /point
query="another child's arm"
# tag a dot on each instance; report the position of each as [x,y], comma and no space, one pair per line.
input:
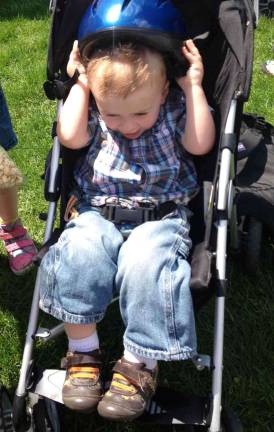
[72,127]
[199,132]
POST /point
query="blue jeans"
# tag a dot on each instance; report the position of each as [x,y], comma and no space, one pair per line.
[7,136]
[91,263]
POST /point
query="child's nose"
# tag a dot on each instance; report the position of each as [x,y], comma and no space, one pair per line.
[129,127]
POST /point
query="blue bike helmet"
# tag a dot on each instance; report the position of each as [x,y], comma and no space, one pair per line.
[157,24]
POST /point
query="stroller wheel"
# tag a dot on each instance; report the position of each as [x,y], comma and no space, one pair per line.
[46,416]
[230,421]
[252,241]
[6,423]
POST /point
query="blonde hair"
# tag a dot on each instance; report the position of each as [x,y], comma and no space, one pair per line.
[121,70]
[10,175]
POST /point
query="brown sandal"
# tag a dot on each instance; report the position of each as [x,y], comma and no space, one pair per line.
[82,389]
[131,388]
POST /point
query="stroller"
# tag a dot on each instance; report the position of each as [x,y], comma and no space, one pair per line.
[223,31]
[266,7]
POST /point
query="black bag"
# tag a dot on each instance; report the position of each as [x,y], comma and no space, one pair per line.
[255,170]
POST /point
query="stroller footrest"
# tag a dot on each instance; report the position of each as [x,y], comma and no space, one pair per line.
[168,406]
[50,385]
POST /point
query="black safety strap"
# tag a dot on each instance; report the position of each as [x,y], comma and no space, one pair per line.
[137,215]
[58,89]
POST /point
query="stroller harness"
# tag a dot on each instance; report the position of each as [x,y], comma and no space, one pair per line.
[144,213]
[122,211]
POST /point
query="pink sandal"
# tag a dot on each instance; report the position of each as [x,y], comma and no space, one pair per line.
[19,246]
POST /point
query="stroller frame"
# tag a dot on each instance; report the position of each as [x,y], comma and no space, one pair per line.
[204,411]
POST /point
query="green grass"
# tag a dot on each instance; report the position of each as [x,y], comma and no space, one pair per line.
[262,91]
[249,335]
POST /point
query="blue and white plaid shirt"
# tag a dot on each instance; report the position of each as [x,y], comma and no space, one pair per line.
[152,167]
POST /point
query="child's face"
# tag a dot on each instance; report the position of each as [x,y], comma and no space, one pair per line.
[134,114]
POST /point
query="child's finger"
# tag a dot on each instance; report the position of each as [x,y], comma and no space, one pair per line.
[188,54]
[191,56]
[75,46]
[75,49]
[192,47]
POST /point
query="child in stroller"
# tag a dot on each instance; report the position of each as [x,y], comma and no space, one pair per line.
[140,139]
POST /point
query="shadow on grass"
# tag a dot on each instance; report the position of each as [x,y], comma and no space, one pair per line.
[29,9]
[16,293]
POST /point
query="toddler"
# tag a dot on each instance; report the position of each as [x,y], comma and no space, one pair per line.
[141,133]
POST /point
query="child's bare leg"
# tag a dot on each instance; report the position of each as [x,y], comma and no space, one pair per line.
[8,205]
[82,337]
[79,331]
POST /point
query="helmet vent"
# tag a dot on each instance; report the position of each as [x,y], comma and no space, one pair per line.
[162,2]
[125,4]
[94,6]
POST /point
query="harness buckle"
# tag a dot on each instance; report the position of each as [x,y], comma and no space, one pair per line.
[136,215]
[145,211]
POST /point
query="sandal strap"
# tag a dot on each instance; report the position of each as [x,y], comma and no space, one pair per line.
[18,231]
[81,359]
[20,244]
[136,374]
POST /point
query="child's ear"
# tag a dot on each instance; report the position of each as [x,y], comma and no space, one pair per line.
[165,92]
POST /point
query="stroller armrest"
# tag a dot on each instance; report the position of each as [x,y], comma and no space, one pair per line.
[201,261]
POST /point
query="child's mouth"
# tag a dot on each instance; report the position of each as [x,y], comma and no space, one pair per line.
[132,136]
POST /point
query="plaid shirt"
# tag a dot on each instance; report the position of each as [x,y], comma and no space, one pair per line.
[152,167]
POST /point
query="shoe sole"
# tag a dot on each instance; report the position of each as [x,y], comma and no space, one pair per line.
[111,415]
[70,403]
[23,271]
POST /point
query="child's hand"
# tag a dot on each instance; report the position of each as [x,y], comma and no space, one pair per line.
[195,72]
[75,62]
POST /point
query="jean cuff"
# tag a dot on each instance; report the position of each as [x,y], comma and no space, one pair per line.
[185,353]
[70,318]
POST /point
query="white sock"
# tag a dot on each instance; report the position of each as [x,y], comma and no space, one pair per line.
[134,358]
[86,344]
